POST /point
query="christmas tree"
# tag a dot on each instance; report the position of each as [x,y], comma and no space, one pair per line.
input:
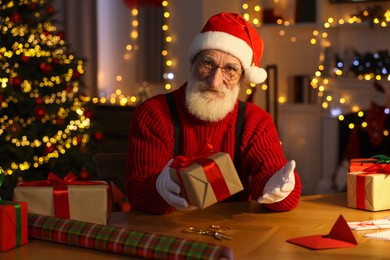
[46,123]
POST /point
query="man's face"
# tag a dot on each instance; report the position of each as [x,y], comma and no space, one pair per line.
[213,87]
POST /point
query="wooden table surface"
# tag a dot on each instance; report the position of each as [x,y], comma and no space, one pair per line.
[257,233]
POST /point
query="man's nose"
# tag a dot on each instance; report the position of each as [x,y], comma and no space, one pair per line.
[216,77]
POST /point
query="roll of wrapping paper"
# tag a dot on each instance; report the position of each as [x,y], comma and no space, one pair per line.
[122,241]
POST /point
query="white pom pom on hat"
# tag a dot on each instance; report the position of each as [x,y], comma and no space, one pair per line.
[231,33]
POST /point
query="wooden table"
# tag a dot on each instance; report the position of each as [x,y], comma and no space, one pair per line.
[257,233]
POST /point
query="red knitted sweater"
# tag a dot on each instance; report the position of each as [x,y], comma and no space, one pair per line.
[151,145]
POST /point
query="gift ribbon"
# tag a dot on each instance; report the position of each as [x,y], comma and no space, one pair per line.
[215,177]
[210,168]
[18,212]
[60,191]
[182,161]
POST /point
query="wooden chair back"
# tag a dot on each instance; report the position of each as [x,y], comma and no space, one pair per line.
[111,167]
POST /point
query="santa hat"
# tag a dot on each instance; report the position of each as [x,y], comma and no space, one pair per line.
[231,33]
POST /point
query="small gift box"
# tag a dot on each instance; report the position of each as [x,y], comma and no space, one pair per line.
[363,164]
[206,180]
[66,198]
[13,224]
[368,184]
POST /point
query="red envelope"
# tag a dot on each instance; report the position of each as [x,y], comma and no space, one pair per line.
[340,236]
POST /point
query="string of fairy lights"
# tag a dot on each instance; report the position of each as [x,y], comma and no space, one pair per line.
[130,49]
[320,81]
[144,91]
[252,11]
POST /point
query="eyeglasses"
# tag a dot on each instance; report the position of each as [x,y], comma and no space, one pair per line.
[207,65]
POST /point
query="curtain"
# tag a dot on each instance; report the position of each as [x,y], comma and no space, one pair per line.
[151,44]
[78,19]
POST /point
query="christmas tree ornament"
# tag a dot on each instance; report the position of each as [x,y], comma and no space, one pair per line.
[88,113]
[40,112]
[45,67]
[79,139]
[84,175]
[32,6]
[39,101]
[49,148]
[61,35]
[69,89]
[76,75]
[24,58]
[16,17]
[98,135]
[50,10]
[14,129]
[16,81]
[60,121]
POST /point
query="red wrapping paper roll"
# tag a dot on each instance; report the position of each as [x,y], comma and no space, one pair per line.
[121,240]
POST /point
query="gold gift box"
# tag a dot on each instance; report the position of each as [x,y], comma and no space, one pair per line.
[88,203]
[376,191]
[195,184]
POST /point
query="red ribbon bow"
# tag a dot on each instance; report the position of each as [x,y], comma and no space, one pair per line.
[182,161]
[378,168]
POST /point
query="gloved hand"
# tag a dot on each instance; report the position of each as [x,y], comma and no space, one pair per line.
[170,190]
[280,185]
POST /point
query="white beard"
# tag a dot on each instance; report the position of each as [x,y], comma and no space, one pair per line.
[208,104]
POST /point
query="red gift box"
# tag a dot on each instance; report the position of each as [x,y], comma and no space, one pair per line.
[361,164]
[13,224]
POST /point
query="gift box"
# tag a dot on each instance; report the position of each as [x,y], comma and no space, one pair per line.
[13,224]
[368,185]
[121,240]
[359,165]
[206,180]
[66,198]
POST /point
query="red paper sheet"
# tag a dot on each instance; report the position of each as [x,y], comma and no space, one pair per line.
[339,236]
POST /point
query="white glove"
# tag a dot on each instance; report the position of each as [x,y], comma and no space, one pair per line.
[280,185]
[170,190]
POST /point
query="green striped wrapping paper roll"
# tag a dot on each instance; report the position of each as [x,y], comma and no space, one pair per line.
[122,241]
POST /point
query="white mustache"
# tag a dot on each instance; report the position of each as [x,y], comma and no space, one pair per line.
[204,87]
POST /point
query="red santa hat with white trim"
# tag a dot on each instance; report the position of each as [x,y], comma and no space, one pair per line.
[231,33]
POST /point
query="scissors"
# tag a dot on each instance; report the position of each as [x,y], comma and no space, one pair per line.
[215,231]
